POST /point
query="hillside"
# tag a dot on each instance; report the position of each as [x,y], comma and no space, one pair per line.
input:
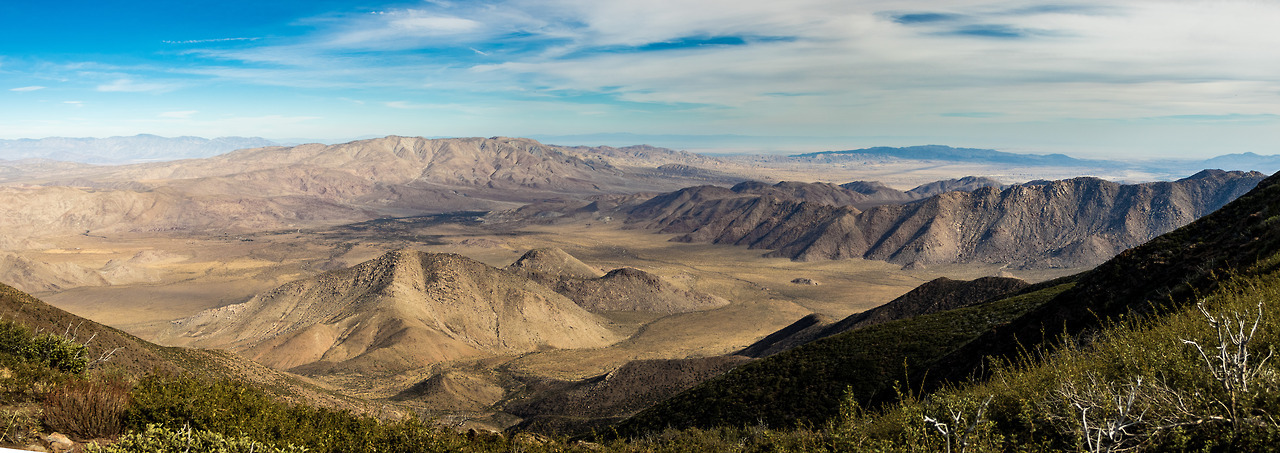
[135,357]
[937,295]
[803,383]
[403,310]
[619,393]
[1041,224]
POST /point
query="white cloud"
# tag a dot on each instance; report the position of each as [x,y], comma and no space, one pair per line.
[402,29]
[28,88]
[180,114]
[205,41]
[130,86]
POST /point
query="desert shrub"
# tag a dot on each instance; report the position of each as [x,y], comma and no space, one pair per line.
[24,375]
[159,439]
[59,352]
[17,426]
[88,408]
[234,409]
[48,349]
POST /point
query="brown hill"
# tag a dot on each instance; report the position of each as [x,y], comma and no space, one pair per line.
[965,184]
[629,289]
[551,265]
[624,289]
[1075,222]
[403,310]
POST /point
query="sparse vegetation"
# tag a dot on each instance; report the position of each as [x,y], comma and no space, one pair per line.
[88,408]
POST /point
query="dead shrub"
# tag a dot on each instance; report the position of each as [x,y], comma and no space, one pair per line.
[88,408]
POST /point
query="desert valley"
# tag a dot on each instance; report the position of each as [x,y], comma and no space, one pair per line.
[506,285]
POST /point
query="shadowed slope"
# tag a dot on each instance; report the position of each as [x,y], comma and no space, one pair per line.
[934,296]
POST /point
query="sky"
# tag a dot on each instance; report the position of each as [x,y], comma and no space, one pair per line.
[1118,79]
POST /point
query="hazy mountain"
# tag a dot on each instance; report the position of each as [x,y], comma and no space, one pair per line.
[1075,222]
[403,310]
[120,150]
[947,153]
[279,187]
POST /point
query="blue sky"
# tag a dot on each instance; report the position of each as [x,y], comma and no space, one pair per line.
[1137,79]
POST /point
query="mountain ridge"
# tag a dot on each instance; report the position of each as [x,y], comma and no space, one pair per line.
[1067,223]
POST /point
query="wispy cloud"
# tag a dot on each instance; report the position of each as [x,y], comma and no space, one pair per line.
[27,88]
[180,114]
[130,86]
[207,41]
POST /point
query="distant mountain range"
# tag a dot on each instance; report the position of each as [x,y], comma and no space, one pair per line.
[152,148]
[123,150]
[947,153]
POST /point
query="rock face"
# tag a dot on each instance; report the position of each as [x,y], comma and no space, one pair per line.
[403,310]
[1068,223]
[624,289]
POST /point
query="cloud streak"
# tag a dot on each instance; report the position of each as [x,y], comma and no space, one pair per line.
[27,88]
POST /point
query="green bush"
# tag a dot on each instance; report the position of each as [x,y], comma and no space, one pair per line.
[235,409]
[55,351]
[159,439]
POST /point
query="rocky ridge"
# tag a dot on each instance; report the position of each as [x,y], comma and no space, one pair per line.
[1067,223]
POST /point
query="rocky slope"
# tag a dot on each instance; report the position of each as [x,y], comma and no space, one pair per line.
[403,310]
[1068,223]
[624,289]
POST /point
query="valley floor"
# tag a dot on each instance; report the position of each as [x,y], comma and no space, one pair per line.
[162,277]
